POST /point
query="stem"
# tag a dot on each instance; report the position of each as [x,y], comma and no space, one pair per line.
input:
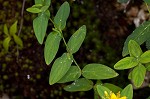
[68,49]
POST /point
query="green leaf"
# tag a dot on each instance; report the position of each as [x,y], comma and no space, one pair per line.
[122,1]
[37,5]
[51,47]
[44,8]
[138,75]
[73,74]
[147,1]
[6,43]
[34,10]
[13,29]
[81,84]
[6,30]
[77,39]
[18,40]
[101,89]
[98,71]
[38,1]
[126,63]
[134,49]
[112,87]
[148,44]
[128,92]
[40,26]
[145,57]
[62,16]
[47,2]
[60,68]
[148,68]
[140,35]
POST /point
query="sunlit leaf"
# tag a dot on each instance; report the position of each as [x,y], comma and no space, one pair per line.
[6,30]
[62,16]
[13,28]
[147,1]
[47,2]
[34,10]
[145,57]
[18,40]
[40,26]
[101,89]
[6,43]
[44,8]
[140,35]
[73,74]
[51,47]
[81,84]
[138,75]
[38,1]
[77,39]
[128,92]
[126,63]
[134,49]
[112,87]
[98,71]
[148,68]
[60,68]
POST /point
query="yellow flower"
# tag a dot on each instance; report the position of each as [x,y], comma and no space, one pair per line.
[113,96]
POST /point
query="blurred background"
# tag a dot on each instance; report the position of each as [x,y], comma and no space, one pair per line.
[25,75]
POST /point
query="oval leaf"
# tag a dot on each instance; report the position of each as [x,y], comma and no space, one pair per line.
[98,71]
[145,57]
[6,43]
[81,84]
[34,10]
[138,75]
[13,28]
[62,16]
[134,49]
[112,87]
[126,63]
[6,30]
[40,26]
[60,68]
[18,40]
[140,35]
[101,89]
[73,74]
[128,92]
[77,39]
[51,47]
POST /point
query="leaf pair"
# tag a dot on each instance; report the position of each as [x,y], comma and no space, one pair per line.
[127,91]
[11,33]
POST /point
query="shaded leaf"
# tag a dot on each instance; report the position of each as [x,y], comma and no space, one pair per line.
[40,26]
[60,68]
[101,89]
[112,87]
[148,68]
[51,47]
[38,2]
[47,2]
[140,35]
[13,28]
[77,39]
[128,92]
[148,44]
[81,84]
[138,75]
[6,43]
[126,63]
[122,1]
[72,74]
[62,16]
[34,10]
[145,57]
[44,8]
[18,40]
[147,1]
[6,30]
[98,71]
[134,49]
